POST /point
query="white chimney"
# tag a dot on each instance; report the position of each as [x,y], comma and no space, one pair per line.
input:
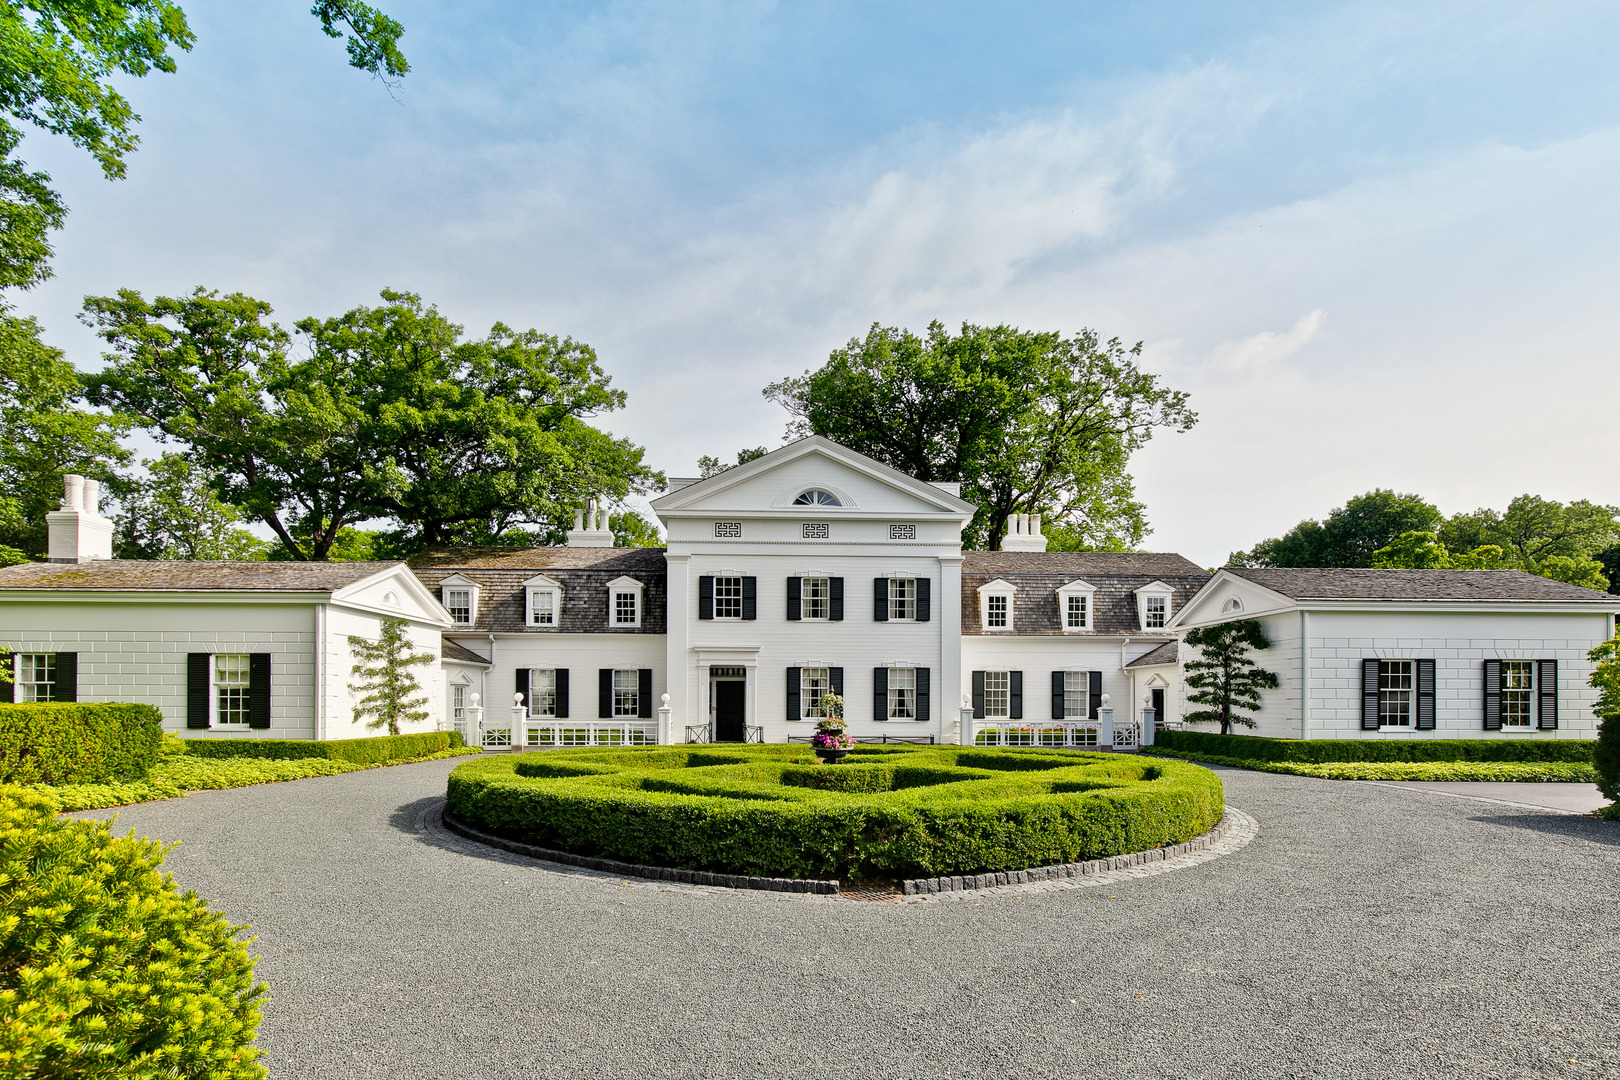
[590,528]
[1023,533]
[78,532]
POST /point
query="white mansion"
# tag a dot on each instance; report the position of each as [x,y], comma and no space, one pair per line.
[811,569]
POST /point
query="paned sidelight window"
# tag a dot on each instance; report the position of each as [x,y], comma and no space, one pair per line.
[1157,612]
[36,677]
[1518,694]
[1395,693]
[728,598]
[232,681]
[902,693]
[995,612]
[626,692]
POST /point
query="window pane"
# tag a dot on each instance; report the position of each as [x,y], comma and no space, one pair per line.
[626,692]
[543,605]
[459,603]
[997,693]
[231,688]
[458,703]
[1158,608]
[36,676]
[1076,612]
[624,608]
[902,693]
[1076,695]
[814,683]
[902,598]
[1395,693]
[815,598]
[995,611]
[728,597]
[1518,679]
[543,692]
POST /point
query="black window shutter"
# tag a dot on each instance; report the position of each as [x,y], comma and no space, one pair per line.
[793,710]
[259,690]
[604,693]
[197,689]
[835,599]
[1425,695]
[880,599]
[8,676]
[1493,695]
[523,684]
[1369,695]
[978,695]
[1547,695]
[880,693]
[1015,683]
[65,686]
[1057,695]
[562,693]
[1094,693]
[644,689]
[835,676]
[795,601]
[750,598]
[925,603]
[706,597]
[923,677]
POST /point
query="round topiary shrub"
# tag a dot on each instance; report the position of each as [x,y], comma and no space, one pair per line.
[106,968]
[888,812]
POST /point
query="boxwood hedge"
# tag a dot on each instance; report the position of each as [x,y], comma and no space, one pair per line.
[354,751]
[73,743]
[887,812]
[1319,751]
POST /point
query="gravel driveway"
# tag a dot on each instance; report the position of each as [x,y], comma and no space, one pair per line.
[1368,931]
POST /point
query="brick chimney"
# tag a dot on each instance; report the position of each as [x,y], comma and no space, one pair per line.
[78,532]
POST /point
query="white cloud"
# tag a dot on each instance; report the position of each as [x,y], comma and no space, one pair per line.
[1260,353]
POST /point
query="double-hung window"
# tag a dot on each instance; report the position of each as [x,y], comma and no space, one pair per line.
[36,676]
[816,598]
[232,679]
[624,608]
[1076,612]
[1156,612]
[543,692]
[1395,693]
[902,598]
[458,602]
[728,598]
[995,611]
[542,608]
[1518,694]
[626,692]
[997,693]
[902,693]
[815,683]
[1076,695]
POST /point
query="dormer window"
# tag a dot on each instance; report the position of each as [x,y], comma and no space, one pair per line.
[1076,606]
[459,596]
[542,602]
[624,603]
[817,497]
[996,606]
[1153,605]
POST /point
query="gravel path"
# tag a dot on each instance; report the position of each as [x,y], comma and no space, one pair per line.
[1367,931]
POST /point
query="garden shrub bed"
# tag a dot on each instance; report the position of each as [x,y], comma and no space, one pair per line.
[1558,772]
[1319,751]
[771,811]
[73,743]
[373,751]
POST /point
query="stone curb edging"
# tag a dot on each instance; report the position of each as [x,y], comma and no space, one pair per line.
[656,873]
[965,882]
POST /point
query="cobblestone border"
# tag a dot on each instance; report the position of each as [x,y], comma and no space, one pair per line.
[964,882]
[1233,831]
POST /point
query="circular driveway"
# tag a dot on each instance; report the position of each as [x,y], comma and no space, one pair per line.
[1367,931]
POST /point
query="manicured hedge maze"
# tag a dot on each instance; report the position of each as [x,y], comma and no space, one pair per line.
[887,812]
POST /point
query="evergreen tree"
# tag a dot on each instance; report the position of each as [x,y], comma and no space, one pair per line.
[1606,754]
[1224,677]
[388,691]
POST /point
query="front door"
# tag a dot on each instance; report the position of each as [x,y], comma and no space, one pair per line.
[730,714]
[1158,707]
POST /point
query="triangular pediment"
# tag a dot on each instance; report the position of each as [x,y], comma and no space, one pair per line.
[396,592]
[1227,597]
[852,483]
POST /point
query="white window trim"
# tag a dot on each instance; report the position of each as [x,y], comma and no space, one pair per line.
[456,581]
[1155,589]
[537,585]
[1077,588]
[1005,714]
[17,682]
[1085,700]
[892,578]
[997,587]
[724,575]
[893,691]
[635,707]
[804,596]
[1411,695]
[1531,716]
[552,715]
[622,585]
[214,722]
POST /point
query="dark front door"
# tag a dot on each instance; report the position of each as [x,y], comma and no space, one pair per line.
[729,712]
[1158,707]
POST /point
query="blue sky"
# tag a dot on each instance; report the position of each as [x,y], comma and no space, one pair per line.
[1376,242]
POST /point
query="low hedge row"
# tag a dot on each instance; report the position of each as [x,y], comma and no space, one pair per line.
[354,751]
[1522,772]
[1318,751]
[772,811]
[73,743]
[106,968]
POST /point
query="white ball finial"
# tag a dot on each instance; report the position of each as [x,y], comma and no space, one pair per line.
[1105,700]
[517,699]
[473,699]
[664,699]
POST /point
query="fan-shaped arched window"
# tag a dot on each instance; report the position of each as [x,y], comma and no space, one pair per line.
[817,497]
[1232,604]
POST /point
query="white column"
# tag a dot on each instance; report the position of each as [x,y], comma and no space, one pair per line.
[949,608]
[677,653]
[475,719]
[664,734]
[964,726]
[520,722]
[1105,734]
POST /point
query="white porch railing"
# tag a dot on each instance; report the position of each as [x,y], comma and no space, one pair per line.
[552,733]
[1080,734]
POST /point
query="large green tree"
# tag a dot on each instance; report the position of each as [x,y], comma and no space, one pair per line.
[1028,422]
[391,415]
[175,512]
[1350,535]
[58,61]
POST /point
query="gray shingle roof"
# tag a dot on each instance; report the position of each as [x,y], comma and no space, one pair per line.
[1168,653]
[582,572]
[1038,574]
[157,575]
[1343,583]
[455,650]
